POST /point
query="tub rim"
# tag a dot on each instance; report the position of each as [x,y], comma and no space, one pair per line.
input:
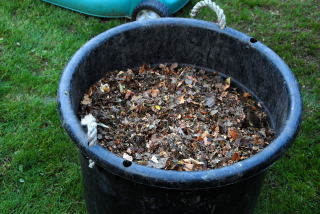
[174,179]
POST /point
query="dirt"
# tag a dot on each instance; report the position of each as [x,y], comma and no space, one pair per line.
[176,118]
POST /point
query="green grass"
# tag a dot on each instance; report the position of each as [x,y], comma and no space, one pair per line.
[39,168]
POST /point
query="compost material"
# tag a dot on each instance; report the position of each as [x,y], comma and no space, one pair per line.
[176,117]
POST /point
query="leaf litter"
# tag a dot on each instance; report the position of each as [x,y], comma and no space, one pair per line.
[176,118]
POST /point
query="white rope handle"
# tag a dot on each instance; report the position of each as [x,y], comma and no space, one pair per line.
[213,6]
[91,123]
[91,163]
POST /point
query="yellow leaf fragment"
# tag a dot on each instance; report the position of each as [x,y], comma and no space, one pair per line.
[228,80]
[105,88]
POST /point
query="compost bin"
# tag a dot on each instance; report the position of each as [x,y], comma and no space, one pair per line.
[115,185]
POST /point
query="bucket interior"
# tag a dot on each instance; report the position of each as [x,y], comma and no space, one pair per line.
[231,55]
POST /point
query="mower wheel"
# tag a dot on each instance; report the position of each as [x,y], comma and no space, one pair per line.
[150,9]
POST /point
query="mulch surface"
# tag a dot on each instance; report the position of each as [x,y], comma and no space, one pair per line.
[176,118]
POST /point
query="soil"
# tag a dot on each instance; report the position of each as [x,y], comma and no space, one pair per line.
[176,118]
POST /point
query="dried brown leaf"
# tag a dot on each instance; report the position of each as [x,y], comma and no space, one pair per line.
[188,167]
[205,134]
[180,100]
[191,160]
[162,66]
[199,138]
[163,154]
[226,86]
[140,108]
[223,95]
[246,94]
[194,79]
[206,142]
[215,132]
[179,84]
[128,94]
[257,140]
[254,108]
[90,91]
[155,92]
[86,100]
[233,133]
[173,66]
[142,69]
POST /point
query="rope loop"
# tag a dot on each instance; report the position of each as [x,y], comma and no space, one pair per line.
[91,123]
[213,6]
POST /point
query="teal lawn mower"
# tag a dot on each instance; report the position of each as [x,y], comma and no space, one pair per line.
[133,9]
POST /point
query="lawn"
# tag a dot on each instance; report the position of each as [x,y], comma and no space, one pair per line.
[39,166]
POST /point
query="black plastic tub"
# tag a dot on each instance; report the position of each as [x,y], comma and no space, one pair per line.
[114,185]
